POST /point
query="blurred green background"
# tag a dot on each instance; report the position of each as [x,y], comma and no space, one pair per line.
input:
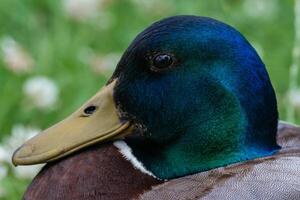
[55,54]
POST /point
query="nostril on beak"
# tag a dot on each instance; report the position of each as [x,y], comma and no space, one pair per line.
[90,110]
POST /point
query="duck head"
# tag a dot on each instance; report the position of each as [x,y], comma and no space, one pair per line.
[188,95]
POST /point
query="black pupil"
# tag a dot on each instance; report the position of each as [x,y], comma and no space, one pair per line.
[162,61]
[90,110]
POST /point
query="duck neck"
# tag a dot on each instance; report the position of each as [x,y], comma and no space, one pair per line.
[210,141]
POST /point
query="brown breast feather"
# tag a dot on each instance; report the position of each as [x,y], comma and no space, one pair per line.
[100,172]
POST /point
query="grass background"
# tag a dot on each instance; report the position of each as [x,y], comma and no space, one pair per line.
[57,41]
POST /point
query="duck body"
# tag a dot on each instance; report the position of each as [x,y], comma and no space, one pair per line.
[99,172]
[92,174]
[192,114]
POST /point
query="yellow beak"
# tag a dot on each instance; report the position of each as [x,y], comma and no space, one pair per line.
[96,121]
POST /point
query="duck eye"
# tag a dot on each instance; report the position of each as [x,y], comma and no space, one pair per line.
[89,110]
[162,61]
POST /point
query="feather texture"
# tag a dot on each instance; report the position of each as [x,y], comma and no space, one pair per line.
[98,172]
[101,172]
[276,177]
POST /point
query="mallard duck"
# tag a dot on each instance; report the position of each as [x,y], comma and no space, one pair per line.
[189,113]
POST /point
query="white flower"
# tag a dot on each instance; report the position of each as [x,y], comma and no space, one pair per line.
[19,135]
[3,154]
[81,9]
[15,57]
[294,98]
[262,9]
[27,172]
[104,64]
[147,4]
[3,171]
[154,7]
[41,91]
